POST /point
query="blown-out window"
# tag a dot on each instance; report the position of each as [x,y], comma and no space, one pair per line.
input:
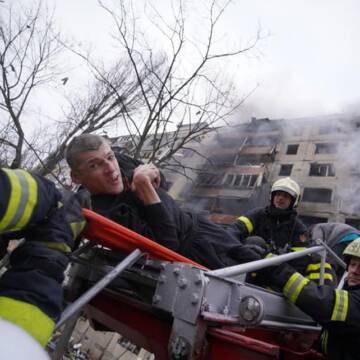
[285,169]
[292,149]
[321,170]
[317,195]
[326,148]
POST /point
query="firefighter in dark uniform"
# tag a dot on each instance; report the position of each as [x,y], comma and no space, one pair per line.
[138,202]
[31,207]
[337,310]
[278,229]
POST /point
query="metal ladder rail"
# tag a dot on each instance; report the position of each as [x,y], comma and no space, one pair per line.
[70,314]
[252,266]
[323,248]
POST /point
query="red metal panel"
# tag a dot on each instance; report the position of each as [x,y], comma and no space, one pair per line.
[151,330]
[133,320]
[224,344]
[110,234]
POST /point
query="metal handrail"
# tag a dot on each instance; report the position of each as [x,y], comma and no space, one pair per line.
[100,285]
[260,264]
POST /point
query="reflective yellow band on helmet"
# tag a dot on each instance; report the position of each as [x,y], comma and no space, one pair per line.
[314,267]
[22,201]
[77,227]
[248,223]
[316,276]
[297,248]
[341,305]
[28,317]
[62,247]
[294,286]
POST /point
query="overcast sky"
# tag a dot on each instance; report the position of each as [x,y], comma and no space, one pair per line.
[307,65]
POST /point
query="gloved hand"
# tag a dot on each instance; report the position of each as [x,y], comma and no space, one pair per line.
[259,245]
[246,253]
[300,264]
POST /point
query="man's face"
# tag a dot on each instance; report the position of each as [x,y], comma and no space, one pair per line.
[282,200]
[353,277]
[98,171]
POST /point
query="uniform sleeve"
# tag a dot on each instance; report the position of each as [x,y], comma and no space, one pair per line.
[323,303]
[312,262]
[24,199]
[244,225]
[31,295]
[161,224]
[301,236]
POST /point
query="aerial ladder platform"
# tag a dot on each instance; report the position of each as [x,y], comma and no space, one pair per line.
[178,309]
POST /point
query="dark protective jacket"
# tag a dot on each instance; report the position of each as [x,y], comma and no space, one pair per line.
[281,229]
[284,232]
[338,311]
[30,291]
[186,233]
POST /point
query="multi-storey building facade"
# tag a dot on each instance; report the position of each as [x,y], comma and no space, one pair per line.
[238,164]
[243,163]
[315,152]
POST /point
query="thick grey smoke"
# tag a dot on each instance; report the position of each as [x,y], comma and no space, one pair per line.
[343,130]
[348,168]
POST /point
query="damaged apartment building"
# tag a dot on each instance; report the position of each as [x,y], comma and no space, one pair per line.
[231,170]
[243,162]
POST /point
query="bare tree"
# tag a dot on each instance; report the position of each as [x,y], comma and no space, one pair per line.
[150,93]
[112,96]
[28,51]
[188,89]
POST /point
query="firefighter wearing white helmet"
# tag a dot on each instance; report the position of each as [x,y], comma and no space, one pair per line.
[339,310]
[288,186]
[277,227]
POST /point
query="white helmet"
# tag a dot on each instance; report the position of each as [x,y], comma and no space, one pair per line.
[17,344]
[289,186]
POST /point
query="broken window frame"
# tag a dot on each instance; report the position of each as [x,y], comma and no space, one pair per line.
[289,148]
[323,170]
[314,195]
[240,180]
[285,169]
[326,148]
[209,179]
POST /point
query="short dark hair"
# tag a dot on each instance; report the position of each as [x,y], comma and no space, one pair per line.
[80,144]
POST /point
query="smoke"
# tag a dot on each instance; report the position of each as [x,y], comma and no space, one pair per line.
[348,169]
[266,136]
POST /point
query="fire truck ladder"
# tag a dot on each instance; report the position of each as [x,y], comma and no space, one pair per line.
[199,300]
[197,304]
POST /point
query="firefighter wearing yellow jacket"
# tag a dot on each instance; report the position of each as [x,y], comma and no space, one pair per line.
[30,291]
[337,310]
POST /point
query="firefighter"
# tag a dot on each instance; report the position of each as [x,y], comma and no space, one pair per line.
[278,229]
[31,207]
[136,200]
[337,310]
[337,236]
